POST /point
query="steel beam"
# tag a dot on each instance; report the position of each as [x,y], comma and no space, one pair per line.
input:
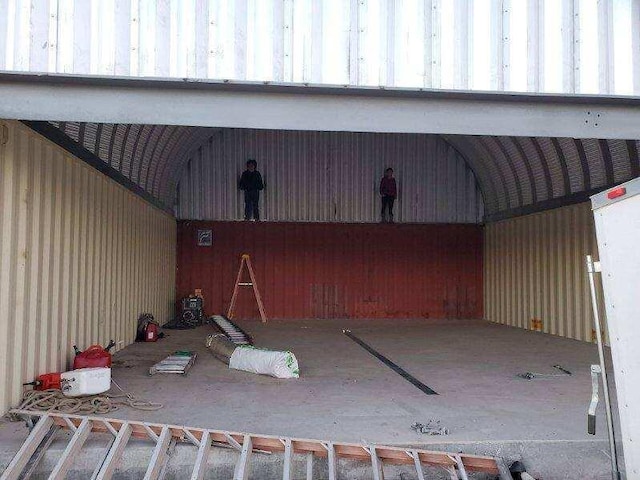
[251,105]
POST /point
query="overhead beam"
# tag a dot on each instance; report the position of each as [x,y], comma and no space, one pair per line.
[572,199]
[288,107]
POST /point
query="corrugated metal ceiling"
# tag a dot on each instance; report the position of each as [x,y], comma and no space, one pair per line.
[513,172]
[582,46]
[517,172]
[149,155]
[315,176]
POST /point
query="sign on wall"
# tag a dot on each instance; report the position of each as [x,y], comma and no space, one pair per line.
[205,238]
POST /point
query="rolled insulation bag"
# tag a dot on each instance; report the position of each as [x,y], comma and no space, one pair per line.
[253,360]
[265,362]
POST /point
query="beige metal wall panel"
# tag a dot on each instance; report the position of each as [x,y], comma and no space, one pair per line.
[534,269]
[329,177]
[470,44]
[80,258]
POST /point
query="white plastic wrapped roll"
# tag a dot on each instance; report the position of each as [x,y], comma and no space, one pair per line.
[265,362]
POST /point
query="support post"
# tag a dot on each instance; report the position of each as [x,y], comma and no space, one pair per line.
[242,467]
[28,448]
[418,465]
[73,448]
[309,466]
[462,472]
[110,463]
[376,464]
[159,456]
[331,461]
[202,456]
[288,451]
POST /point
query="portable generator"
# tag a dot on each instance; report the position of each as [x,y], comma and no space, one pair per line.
[192,310]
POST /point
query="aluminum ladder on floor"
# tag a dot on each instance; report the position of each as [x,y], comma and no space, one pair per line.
[232,331]
[165,437]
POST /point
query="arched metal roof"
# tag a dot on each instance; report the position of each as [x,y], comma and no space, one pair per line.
[151,156]
[519,172]
[515,174]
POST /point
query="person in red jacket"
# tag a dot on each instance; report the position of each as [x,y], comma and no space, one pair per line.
[389,192]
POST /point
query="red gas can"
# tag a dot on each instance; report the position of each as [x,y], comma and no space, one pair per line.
[46,381]
[151,332]
[94,356]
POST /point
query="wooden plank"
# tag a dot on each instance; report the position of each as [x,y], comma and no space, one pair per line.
[418,465]
[151,433]
[503,470]
[28,448]
[119,444]
[452,473]
[35,459]
[309,466]
[73,448]
[232,441]
[331,461]
[286,474]
[159,456]
[462,472]
[112,430]
[202,456]
[96,471]
[192,438]
[244,462]
[376,465]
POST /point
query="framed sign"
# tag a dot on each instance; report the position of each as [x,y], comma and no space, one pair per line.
[205,238]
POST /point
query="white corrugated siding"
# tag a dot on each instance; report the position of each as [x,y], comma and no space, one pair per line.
[329,177]
[534,268]
[536,45]
[80,258]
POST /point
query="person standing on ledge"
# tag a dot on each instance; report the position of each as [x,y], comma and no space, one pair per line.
[251,183]
[389,192]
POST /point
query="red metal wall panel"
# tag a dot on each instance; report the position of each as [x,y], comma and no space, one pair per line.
[319,270]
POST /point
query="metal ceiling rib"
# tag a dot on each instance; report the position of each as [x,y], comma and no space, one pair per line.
[531,173]
[148,155]
[514,174]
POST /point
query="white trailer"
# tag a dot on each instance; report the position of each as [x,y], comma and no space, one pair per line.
[617,221]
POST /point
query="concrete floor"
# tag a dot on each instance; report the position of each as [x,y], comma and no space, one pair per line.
[345,394]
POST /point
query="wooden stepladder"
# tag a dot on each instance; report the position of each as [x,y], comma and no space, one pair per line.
[246,261]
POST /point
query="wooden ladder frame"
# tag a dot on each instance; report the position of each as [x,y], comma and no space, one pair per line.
[245,260]
[166,436]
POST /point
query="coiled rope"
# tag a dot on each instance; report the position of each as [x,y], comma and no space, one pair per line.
[54,401]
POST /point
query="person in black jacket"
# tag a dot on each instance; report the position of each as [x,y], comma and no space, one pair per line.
[251,183]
